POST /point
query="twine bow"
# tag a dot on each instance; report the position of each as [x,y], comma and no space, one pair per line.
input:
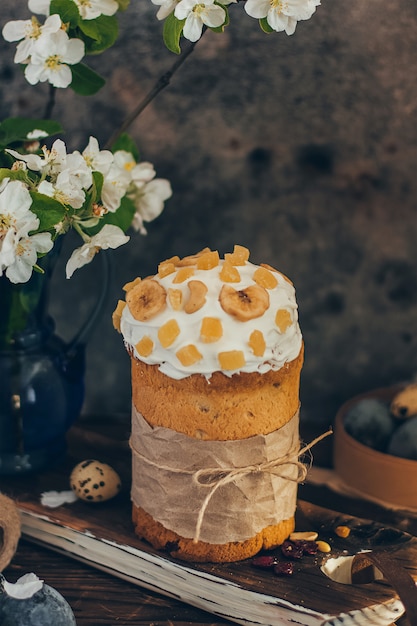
[214,478]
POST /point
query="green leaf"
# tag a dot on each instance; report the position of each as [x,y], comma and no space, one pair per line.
[12,174]
[101,33]
[172,33]
[124,142]
[98,180]
[220,29]
[122,217]
[265,26]
[49,211]
[85,81]
[16,129]
[67,11]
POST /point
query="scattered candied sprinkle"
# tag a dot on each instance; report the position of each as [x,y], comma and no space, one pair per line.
[168,333]
[239,256]
[182,274]
[165,269]
[211,329]
[323,546]
[257,343]
[265,278]
[128,286]
[145,346]
[283,319]
[117,314]
[229,273]
[175,298]
[231,360]
[208,260]
[342,531]
[188,355]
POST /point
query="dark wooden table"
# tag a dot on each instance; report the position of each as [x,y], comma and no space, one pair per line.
[98,598]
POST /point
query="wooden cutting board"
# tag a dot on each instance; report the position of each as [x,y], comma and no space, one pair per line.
[237,591]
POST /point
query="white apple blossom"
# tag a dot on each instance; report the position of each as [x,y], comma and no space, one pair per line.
[97,160]
[65,189]
[197,14]
[166,7]
[149,202]
[115,185]
[27,248]
[90,9]
[29,31]
[51,57]
[282,15]
[15,215]
[40,7]
[110,236]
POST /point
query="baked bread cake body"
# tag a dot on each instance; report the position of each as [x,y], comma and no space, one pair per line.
[216,355]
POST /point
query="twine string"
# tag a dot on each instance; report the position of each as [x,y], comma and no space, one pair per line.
[216,477]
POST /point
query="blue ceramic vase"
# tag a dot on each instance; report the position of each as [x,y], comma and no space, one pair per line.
[41,376]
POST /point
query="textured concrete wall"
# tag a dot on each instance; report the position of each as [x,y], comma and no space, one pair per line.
[302,148]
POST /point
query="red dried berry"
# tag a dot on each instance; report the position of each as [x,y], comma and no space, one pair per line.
[284,568]
[291,551]
[308,547]
[264,562]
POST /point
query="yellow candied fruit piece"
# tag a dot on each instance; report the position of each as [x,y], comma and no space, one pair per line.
[257,343]
[239,256]
[191,259]
[342,531]
[165,269]
[168,333]
[128,286]
[188,355]
[229,274]
[211,329]
[144,347]
[265,278]
[231,360]
[117,314]
[208,260]
[182,274]
[175,298]
[283,319]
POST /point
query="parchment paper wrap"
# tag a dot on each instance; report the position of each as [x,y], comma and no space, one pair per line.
[247,500]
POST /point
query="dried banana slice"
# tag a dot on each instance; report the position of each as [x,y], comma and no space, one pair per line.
[244,304]
[146,300]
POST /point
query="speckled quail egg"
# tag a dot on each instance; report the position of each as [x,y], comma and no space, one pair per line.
[94,481]
[369,422]
[404,403]
[404,440]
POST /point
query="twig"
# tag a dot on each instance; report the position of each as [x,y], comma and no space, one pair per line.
[50,103]
[161,83]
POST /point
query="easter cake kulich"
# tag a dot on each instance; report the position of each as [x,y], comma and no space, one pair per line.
[216,354]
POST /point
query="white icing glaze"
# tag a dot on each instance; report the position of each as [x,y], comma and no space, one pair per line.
[281,347]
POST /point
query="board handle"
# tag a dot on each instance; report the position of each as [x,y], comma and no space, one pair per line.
[363,571]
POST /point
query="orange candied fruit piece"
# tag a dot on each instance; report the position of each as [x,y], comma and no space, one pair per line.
[231,360]
[144,347]
[175,298]
[128,286]
[211,329]
[265,278]
[191,259]
[168,333]
[257,343]
[165,268]
[269,267]
[229,274]
[188,355]
[117,314]
[283,319]
[239,256]
[182,274]
[208,260]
